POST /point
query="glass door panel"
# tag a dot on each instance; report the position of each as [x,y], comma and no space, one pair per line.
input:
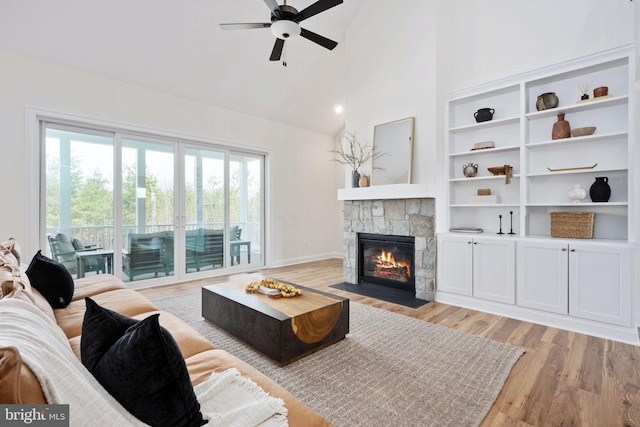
[245,209]
[148,209]
[204,212]
[79,199]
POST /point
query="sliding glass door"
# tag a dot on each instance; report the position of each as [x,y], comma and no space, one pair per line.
[245,208]
[147,208]
[78,203]
[222,209]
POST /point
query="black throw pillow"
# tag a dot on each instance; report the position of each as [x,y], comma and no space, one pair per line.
[140,364]
[51,279]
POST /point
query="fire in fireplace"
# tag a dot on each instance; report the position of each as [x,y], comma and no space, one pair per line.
[387,260]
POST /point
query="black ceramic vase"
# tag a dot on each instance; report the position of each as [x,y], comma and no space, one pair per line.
[484,114]
[355,179]
[600,190]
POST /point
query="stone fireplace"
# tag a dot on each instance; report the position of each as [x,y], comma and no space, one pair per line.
[411,217]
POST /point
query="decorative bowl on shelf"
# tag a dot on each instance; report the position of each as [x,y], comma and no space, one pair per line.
[498,170]
[588,130]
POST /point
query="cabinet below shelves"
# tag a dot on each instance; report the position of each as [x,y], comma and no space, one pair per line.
[566,283]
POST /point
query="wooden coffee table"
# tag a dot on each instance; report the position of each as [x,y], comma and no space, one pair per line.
[284,329]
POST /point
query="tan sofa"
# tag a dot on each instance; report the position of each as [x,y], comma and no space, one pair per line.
[18,384]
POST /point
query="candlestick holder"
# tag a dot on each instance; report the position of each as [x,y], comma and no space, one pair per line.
[500,219]
[511,225]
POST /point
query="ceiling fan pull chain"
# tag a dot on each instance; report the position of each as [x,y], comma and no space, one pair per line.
[284,56]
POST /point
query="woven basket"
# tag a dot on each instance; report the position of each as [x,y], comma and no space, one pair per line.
[575,225]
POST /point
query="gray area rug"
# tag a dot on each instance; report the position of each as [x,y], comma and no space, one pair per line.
[389,370]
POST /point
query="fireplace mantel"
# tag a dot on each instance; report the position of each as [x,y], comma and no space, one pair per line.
[394,191]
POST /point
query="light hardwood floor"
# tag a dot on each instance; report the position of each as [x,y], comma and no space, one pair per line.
[563,379]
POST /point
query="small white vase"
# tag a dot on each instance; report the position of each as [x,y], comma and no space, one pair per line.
[577,193]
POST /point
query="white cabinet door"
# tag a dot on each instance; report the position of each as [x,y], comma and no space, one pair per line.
[543,276]
[600,283]
[494,269]
[455,264]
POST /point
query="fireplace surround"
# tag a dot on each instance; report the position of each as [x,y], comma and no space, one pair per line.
[413,217]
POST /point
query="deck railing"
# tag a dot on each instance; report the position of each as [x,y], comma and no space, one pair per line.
[102,236]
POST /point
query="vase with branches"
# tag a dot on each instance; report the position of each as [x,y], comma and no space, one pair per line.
[354,153]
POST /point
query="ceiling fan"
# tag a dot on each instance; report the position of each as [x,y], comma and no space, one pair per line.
[285,22]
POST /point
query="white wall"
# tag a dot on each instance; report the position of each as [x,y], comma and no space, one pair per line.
[403,60]
[391,74]
[302,224]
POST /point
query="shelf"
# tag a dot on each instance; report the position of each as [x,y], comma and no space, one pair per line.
[576,205]
[391,191]
[566,109]
[576,140]
[523,140]
[485,151]
[482,178]
[485,205]
[485,125]
[575,172]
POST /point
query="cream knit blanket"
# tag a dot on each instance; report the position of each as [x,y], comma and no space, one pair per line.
[226,399]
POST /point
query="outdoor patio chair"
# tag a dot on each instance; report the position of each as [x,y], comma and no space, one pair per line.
[64,251]
[146,254]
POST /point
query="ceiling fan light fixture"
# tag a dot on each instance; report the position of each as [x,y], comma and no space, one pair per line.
[284,29]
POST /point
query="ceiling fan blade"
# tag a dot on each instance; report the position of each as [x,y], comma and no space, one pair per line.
[275,9]
[276,53]
[315,8]
[317,38]
[244,26]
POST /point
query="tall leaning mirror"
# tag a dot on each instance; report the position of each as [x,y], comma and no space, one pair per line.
[395,140]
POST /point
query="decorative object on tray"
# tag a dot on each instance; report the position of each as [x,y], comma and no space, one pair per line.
[284,289]
[506,170]
[352,152]
[483,145]
[572,169]
[600,190]
[484,114]
[547,101]
[577,193]
[584,90]
[470,170]
[466,230]
[561,129]
[484,192]
[363,181]
[574,225]
[600,91]
[587,130]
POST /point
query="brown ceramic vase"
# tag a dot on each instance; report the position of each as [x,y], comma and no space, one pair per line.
[561,128]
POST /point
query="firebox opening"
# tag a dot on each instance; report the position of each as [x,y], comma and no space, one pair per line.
[387,260]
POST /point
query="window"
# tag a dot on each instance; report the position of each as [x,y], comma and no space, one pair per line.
[148,207]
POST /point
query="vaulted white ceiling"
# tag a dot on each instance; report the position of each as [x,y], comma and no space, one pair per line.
[177,47]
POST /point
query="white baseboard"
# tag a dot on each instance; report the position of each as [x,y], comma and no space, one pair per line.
[301,260]
[623,334]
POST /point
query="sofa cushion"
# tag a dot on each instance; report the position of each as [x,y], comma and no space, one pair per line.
[124,301]
[52,279]
[18,384]
[140,364]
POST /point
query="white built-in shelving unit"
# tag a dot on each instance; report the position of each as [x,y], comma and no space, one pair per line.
[587,282]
